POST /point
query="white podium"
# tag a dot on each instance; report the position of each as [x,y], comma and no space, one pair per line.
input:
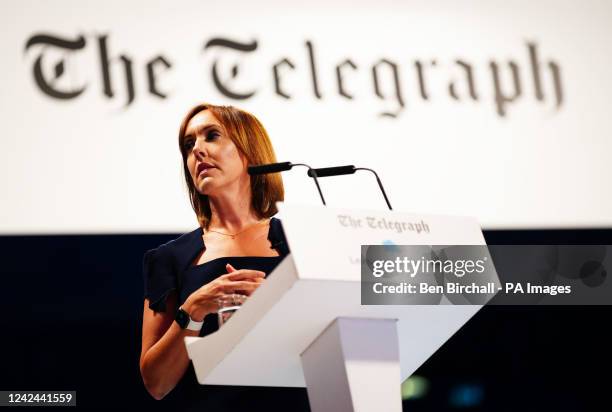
[305,326]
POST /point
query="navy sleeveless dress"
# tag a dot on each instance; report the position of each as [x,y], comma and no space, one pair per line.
[169,268]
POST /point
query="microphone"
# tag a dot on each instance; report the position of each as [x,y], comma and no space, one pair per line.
[334,171]
[269,168]
[347,170]
[281,167]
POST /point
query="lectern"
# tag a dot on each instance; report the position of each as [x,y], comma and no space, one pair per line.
[306,327]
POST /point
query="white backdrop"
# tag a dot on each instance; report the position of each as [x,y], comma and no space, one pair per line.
[97,164]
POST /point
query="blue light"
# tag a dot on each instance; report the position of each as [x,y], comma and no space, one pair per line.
[466,395]
[390,246]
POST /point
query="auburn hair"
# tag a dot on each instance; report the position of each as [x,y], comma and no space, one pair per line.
[252,141]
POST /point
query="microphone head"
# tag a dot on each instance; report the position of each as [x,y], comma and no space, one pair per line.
[269,168]
[333,171]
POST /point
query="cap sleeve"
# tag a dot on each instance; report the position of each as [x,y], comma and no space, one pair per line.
[277,238]
[159,277]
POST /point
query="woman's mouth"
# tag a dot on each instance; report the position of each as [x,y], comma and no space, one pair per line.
[205,171]
[204,168]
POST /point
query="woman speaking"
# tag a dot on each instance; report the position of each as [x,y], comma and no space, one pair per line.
[238,242]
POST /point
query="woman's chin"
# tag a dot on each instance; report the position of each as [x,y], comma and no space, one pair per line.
[206,187]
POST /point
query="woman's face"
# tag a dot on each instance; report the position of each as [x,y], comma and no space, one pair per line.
[213,160]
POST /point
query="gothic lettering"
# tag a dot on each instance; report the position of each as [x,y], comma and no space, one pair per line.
[396,84]
[232,45]
[48,85]
[339,71]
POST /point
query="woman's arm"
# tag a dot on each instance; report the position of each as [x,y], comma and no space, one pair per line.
[163,359]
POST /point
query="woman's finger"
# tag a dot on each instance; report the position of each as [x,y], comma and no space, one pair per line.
[246,274]
[244,286]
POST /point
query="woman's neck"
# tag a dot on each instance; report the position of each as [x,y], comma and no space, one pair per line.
[232,211]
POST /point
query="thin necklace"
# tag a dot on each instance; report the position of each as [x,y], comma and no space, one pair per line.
[233,235]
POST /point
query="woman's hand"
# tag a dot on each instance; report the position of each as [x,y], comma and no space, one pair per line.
[204,300]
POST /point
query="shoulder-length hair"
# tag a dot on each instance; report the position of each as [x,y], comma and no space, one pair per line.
[252,141]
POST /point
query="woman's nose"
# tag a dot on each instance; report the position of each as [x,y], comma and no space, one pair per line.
[200,148]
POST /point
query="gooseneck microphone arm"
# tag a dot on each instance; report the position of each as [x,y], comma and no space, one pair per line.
[314,176]
[382,189]
[284,166]
[348,170]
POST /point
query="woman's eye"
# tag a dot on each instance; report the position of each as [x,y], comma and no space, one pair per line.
[188,145]
[212,135]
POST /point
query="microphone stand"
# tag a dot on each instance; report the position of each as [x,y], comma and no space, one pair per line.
[348,170]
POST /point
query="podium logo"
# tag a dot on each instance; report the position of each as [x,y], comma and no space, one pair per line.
[381,223]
